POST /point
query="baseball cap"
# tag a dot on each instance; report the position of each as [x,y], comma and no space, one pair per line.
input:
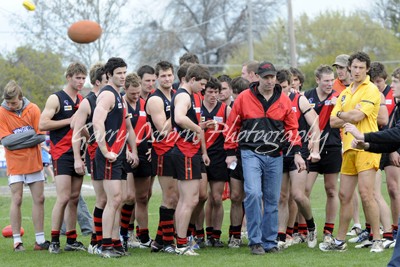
[341,60]
[266,68]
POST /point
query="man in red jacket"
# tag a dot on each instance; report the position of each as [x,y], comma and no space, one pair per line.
[260,122]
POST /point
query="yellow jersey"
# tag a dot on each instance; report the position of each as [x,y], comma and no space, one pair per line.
[367,99]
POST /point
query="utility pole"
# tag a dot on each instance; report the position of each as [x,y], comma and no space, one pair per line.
[292,38]
[250,29]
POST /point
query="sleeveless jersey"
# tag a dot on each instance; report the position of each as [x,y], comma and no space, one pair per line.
[162,143]
[92,144]
[330,137]
[214,137]
[139,123]
[187,143]
[61,139]
[115,124]
[390,104]
[303,129]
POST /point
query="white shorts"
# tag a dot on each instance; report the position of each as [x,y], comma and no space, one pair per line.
[26,178]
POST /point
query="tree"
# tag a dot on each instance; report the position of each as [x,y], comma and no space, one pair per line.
[320,39]
[388,12]
[212,29]
[38,73]
[53,18]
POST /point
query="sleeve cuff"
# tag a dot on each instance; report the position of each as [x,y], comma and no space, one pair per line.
[296,149]
[231,152]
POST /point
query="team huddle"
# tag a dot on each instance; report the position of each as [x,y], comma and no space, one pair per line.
[259,133]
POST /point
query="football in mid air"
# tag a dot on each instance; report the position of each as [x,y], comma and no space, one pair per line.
[84,31]
[29,5]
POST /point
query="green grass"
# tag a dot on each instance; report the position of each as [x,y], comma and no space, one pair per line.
[298,255]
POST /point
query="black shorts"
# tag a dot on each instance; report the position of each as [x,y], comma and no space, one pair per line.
[186,168]
[203,166]
[330,162]
[93,170]
[289,165]
[109,170]
[161,165]
[385,161]
[217,170]
[143,170]
[88,162]
[64,165]
[237,173]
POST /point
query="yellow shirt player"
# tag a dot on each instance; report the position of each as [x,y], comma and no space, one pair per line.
[366,98]
[359,105]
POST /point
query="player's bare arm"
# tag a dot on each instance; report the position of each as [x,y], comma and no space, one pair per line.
[51,108]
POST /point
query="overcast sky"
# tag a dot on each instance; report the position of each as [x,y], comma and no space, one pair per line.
[10,38]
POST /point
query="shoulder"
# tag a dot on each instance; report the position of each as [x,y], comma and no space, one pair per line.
[53,102]
[33,107]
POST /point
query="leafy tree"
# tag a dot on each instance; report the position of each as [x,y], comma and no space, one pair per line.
[388,12]
[320,39]
[212,29]
[53,18]
[38,73]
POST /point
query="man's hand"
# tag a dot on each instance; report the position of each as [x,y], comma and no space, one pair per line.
[206,159]
[79,166]
[299,162]
[314,157]
[359,144]
[111,156]
[133,159]
[351,128]
[230,160]
[148,154]
[394,158]
[210,124]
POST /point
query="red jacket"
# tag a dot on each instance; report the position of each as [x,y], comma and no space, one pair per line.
[262,126]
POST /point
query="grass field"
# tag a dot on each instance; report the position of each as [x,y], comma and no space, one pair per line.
[298,255]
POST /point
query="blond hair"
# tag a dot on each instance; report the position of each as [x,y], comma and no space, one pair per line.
[132,79]
[11,90]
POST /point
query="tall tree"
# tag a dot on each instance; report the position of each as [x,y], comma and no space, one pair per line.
[38,73]
[53,18]
[320,39]
[212,29]
[388,12]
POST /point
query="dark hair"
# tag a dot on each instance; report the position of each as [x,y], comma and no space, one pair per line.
[198,72]
[163,65]
[377,70]
[181,73]
[239,84]
[225,78]
[213,83]
[396,73]
[112,64]
[189,58]
[284,75]
[361,56]
[323,69]
[296,72]
[145,69]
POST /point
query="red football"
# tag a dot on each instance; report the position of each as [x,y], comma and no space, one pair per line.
[7,231]
[84,31]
